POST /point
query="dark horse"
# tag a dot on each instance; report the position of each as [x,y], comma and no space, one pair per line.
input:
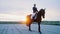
[40,14]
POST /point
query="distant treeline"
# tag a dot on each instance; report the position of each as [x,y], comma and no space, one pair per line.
[50,22]
[43,22]
[9,22]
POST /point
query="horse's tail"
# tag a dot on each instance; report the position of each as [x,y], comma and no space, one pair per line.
[28,20]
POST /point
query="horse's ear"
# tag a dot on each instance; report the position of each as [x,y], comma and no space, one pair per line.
[44,8]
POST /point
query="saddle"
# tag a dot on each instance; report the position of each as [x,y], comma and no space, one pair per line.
[34,16]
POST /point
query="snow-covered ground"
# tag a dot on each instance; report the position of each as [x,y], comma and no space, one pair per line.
[23,29]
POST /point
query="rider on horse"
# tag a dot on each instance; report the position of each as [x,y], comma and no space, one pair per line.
[35,11]
[35,17]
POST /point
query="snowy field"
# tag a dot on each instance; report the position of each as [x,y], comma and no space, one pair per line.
[23,29]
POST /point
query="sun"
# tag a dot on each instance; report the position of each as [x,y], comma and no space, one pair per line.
[23,19]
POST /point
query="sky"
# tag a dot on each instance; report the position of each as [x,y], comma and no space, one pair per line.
[16,10]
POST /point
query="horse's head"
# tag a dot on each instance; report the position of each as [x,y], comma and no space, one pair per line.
[42,13]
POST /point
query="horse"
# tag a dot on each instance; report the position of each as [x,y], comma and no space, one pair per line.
[29,21]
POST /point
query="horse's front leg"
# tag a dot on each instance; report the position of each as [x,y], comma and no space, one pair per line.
[39,26]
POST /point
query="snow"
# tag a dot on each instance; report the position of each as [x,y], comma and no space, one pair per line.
[23,29]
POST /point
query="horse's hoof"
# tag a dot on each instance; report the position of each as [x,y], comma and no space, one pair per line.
[30,30]
[40,32]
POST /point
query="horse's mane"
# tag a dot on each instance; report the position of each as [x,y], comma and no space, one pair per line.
[41,12]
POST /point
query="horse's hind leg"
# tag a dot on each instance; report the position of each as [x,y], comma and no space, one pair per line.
[29,27]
